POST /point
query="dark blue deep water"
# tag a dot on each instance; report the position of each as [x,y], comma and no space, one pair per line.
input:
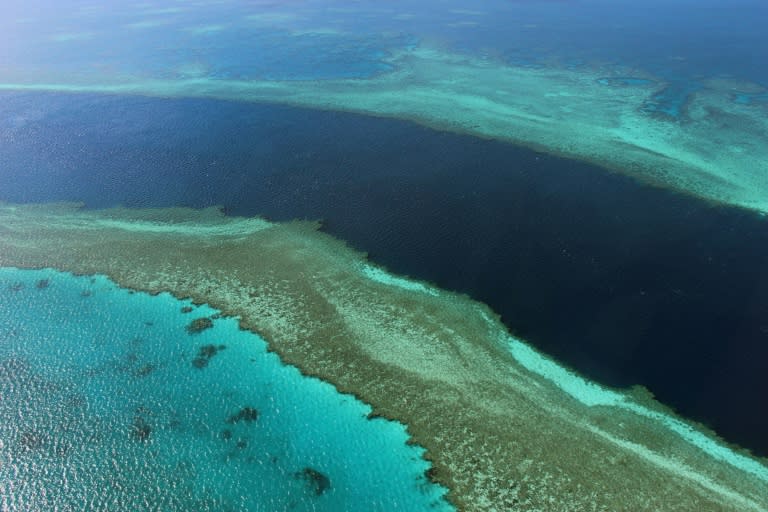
[628,283]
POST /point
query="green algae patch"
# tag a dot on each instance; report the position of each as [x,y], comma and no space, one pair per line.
[715,151]
[505,428]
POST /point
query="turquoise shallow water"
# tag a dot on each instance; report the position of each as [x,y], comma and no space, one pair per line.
[109,402]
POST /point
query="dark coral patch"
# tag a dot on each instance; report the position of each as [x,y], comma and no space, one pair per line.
[187,309]
[29,441]
[144,370]
[200,362]
[16,287]
[198,325]
[248,414]
[205,353]
[140,430]
[226,434]
[42,284]
[315,480]
[210,350]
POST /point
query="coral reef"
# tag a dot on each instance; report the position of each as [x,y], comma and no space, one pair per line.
[204,355]
[247,414]
[198,325]
[315,480]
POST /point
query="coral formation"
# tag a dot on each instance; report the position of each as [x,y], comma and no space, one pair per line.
[198,325]
[247,414]
[315,480]
[503,429]
[204,355]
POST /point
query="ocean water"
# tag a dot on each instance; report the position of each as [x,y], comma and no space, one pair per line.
[631,284]
[656,279]
[113,400]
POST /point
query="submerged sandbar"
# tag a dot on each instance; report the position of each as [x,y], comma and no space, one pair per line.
[502,427]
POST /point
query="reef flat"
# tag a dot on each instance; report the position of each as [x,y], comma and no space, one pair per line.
[505,428]
[713,148]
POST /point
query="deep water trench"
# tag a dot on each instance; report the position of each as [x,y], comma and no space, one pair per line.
[628,283]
